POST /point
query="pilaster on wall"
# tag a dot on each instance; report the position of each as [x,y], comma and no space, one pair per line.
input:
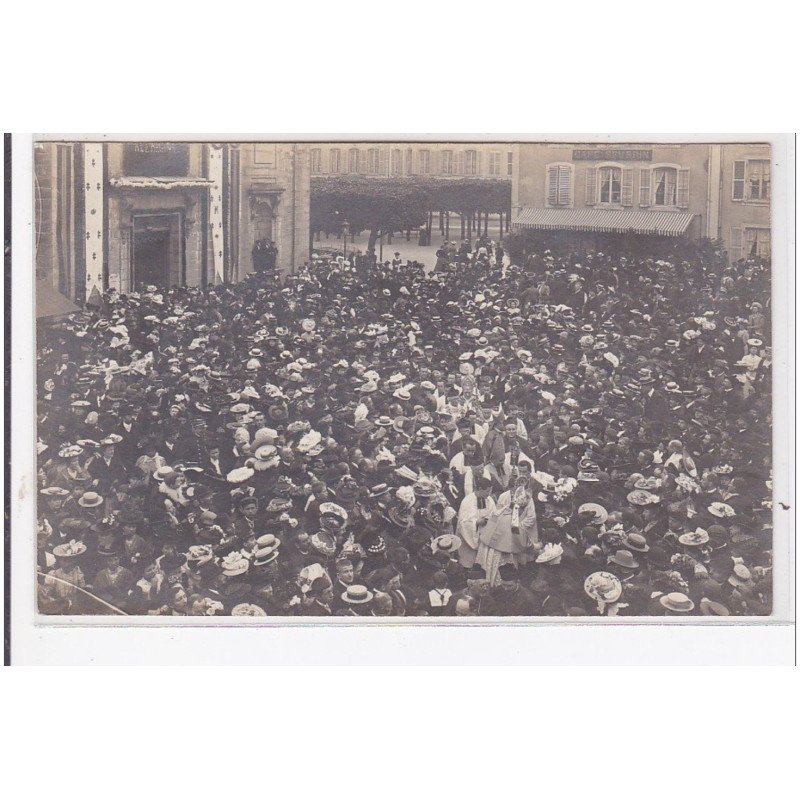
[93,205]
[216,231]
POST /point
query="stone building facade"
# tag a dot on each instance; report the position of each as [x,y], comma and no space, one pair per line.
[716,191]
[396,159]
[125,214]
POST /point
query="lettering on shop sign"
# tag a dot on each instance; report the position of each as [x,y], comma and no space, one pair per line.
[619,154]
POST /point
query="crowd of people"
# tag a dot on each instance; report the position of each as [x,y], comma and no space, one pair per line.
[587,434]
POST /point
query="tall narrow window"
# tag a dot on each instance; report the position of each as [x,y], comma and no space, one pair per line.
[665,182]
[559,185]
[471,162]
[424,162]
[373,161]
[447,162]
[397,161]
[494,163]
[758,180]
[757,242]
[610,185]
[510,163]
[409,161]
[316,159]
[352,159]
[335,160]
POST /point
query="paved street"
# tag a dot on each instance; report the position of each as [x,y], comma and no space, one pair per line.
[408,250]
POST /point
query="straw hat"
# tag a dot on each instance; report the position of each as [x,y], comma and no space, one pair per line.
[711,608]
[677,602]
[90,500]
[447,543]
[357,595]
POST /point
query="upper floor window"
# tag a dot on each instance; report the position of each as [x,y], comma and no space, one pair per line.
[447,162]
[665,185]
[559,185]
[352,159]
[610,185]
[510,163]
[424,165]
[409,161]
[494,163]
[397,161]
[751,180]
[471,162]
[335,160]
[316,159]
[373,161]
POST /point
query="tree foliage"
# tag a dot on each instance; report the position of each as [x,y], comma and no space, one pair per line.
[399,203]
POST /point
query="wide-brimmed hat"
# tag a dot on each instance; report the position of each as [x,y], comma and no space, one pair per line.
[248,610]
[266,549]
[234,564]
[600,514]
[551,554]
[695,538]
[721,510]
[677,602]
[90,500]
[69,549]
[712,608]
[356,594]
[332,510]
[741,576]
[636,541]
[603,586]
[624,558]
[447,543]
[54,491]
[640,497]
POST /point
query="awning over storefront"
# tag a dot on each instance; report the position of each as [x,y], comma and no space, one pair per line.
[661,223]
[50,303]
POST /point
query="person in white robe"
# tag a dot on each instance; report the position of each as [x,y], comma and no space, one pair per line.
[511,534]
[473,515]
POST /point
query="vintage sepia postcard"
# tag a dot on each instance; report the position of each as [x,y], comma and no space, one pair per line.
[444,380]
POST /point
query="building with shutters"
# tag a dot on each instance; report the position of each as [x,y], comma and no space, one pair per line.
[436,159]
[718,191]
[123,214]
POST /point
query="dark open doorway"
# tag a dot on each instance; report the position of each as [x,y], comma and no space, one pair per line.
[158,249]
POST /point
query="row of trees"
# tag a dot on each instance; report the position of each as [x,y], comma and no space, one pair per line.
[388,205]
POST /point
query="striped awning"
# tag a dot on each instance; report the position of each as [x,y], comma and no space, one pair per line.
[662,223]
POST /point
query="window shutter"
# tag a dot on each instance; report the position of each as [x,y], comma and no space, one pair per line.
[644,187]
[591,186]
[383,161]
[458,165]
[682,194]
[362,161]
[736,245]
[478,163]
[627,187]
[552,186]
[738,180]
[565,186]
[409,161]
